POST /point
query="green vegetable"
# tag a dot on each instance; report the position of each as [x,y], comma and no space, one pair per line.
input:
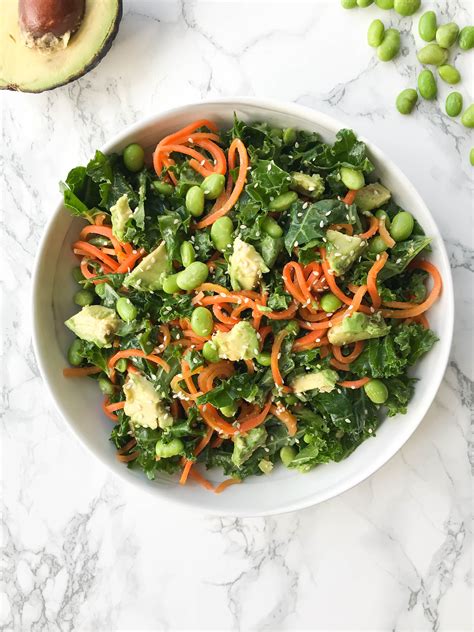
[377,245]
[106,386]
[134,157]
[188,254]
[381,214]
[83,297]
[289,136]
[390,46]
[406,7]
[471,156]
[195,201]
[292,327]
[375,33]
[310,186]
[126,309]
[121,365]
[213,186]
[364,3]
[222,233]
[406,101]
[272,228]
[193,276]
[447,34]
[427,26]
[229,411]
[454,102]
[427,85]
[163,188]
[433,55]
[264,358]
[349,4]
[466,38]
[467,118]
[170,284]
[77,274]
[287,455]
[449,74]
[385,4]
[283,201]
[402,226]
[330,303]
[74,354]
[167,450]
[202,322]
[376,391]
[210,353]
[352,179]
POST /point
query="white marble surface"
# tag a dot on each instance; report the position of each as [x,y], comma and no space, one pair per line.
[85,553]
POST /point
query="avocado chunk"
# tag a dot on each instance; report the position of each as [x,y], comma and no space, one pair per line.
[33,64]
[149,274]
[121,213]
[356,327]
[323,381]
[240,343]
[143,404]
[95,323]
[245,445]
[342,250]
[372,196]
[246,266]
[310,186]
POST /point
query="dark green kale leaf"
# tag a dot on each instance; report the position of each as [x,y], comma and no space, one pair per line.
[267,181]
[400,392]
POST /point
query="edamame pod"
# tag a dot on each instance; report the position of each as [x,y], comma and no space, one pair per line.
[427,85]
[454,103]
[433,55]
[375,33]
[406,101]
[390,46]
[466,38]
[406,7]
[467,118]
[427,26]
[447,34]
[449,74]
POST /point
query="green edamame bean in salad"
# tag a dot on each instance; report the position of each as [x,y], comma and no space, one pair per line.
[385,4]
[375,33]
[77,274]
[106,386]
[289,136]
[292,327]
[195,201]
[187,252]
[287,454]
[164,188]
[432,55]
[272,228]
[467,118]
[427,26]
[427,85]
[381,214]
[210,353]
[471,156]
[466,38]
[406,101]
[377,245]
[126,309]
[329,303]
[376,391]
[264,358]
[74,354]
[121,365]
[83,298]
[390,46]
[202,322]
[291,400]
[222,233]
[447,34]
[100,290]
[134,157]
[449,74]
[352,179]
[454,102]
[406,7]
[364,3]
[170,285]
[193,276]
[213,186]
[283,201]
[167,450]
[402,226]
[349,4]
[229,411]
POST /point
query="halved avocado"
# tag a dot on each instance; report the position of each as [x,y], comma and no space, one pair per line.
[32,70]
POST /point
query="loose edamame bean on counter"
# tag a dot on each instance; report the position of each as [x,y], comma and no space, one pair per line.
[449,74]
[402,226]
[272,228]
[427,85]
[202,322]
[209,351]
[134,157]
[406,7]
[466,38]
[349,4]
[329,303]
[74,354]
[170,285]
[126,309]
[188,255]
[427,26]
[454,102]
[406,100]
[385,4]
[167,450]
[467,118]
[390,46]
[352,178]
[375,33]
[195,201]
[193,276]
[213,186]
[433,55]
[222,233]
[447,34]
[376,391]
[283,201]
[83,298]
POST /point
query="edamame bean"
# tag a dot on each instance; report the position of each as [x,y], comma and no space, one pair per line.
[402,226]
[272,228]
[375,33]
[187,252]
[376,391]
[121,365]
[229,411]
[329,303]
[447,34]
[170,285]
[364,3]
[432,55]
[454,103]
[126,309]
[209,351]
[390,46]
[74,354]
[466,38]
[406,101]
[193,276]
[276,132]
[283,201]
[352,178]
[406,7]
[377,245]
[471,156]
[195,201]
[83,298]
[349,4]
[100,290]
[106,386]
[449,74]
[287,454]
[100,242]
[164,188]
[385,4]
[292,327]
[291,400]
[77,274]
[427,26]
[289,136]
[134,157]
[202,322]
[264,358]
[167,450]
[221,233]
[467,118]
[381,214]
[213,186]
[427,85]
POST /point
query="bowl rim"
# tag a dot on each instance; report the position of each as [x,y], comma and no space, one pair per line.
[332,125]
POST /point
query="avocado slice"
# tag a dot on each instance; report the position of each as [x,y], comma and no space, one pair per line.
[32,70]
[356,327]
[372,196]
[149,274]
[245,445]
[342,250]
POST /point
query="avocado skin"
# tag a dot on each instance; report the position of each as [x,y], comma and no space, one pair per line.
[90,66]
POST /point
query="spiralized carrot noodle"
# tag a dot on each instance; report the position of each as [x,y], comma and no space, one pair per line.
[284,415]
[81,371]
[412,312]
[225,484]
[275,356]
[387,238]
[354,383]
[372,279]
[373,228]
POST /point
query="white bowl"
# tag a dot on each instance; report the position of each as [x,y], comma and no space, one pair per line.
[78,400]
